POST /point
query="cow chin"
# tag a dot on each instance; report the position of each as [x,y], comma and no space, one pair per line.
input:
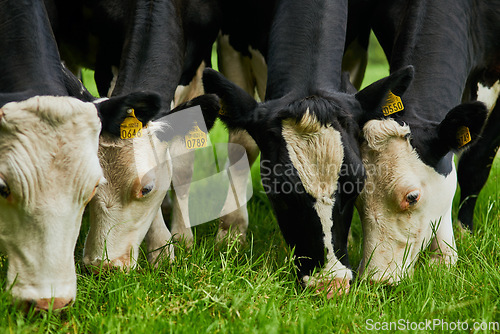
[44,276]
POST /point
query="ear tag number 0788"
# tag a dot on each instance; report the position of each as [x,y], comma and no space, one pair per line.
[131,127]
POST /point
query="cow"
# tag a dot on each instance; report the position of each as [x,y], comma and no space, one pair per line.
[138,45]
[242,49]
[409,141]
[307,132]
[49,168]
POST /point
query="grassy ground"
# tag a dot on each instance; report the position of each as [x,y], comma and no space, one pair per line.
[253,288]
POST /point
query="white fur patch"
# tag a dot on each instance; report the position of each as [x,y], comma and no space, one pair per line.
[488,95]
[393,233]
[317,154]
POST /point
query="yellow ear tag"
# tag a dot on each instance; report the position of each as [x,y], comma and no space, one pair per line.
[392,105]
[463,136]
[196,138]
[131,127]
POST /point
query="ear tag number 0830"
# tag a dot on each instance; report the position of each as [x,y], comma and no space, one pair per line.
[393,104]
[131,127]
[196,138]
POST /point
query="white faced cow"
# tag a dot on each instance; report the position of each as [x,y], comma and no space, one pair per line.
[410,139]
[126,209]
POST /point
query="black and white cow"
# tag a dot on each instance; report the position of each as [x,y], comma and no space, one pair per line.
[242,49]
[49,168]
[408,155]
[147,46]
[307,131]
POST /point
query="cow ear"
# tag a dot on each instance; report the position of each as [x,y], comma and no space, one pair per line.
[113,111]
[461,126]
[209,104]
[374,97]
[237,106]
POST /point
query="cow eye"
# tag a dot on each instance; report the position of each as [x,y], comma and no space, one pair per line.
[412,197]
[147,189]
[4,189]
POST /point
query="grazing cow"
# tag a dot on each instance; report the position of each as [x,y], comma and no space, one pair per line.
[49,168]
[307,131]
[409,142]
[242,49]
[137,45]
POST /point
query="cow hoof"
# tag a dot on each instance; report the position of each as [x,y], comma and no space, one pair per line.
[462,231]
[229,237]
[334,287]
[443,260]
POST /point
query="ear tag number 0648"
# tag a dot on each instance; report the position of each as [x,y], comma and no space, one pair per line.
[196,138]
[131,127]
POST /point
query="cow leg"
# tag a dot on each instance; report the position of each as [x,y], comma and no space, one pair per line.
[194,89]
[157,241]
[355,61]
[474,167]
[182,172]
[249,74]
[443,244]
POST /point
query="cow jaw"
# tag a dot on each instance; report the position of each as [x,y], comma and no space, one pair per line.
[50,167]
[404,205]
[138,174]
[317,153]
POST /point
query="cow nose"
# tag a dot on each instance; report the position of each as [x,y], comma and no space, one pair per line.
[44,304]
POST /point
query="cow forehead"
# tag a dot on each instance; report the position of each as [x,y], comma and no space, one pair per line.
[53,111]
[378,132]
[129,159]
[316,152]
[43,147]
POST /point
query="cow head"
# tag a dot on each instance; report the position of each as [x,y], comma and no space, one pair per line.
[48,172]
[311,167]
[138,173]
[410,184]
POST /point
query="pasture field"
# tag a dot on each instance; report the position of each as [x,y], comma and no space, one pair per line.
[253,289]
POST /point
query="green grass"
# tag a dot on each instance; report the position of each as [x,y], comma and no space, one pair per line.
[253,289]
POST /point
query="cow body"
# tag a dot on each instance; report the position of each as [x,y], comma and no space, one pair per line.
[412,180]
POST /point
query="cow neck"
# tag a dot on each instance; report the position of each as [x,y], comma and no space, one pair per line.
[153,54]
[430,41]
[306,47]
[29,58]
